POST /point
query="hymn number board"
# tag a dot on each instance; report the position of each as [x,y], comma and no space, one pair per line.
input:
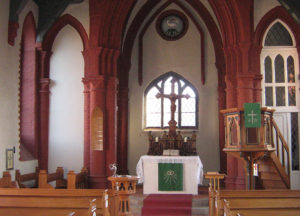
[97,129]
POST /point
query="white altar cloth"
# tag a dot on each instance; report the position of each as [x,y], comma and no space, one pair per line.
[147,170]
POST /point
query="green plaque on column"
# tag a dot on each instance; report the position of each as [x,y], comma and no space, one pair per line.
[252,115]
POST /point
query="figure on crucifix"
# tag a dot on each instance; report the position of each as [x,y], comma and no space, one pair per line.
[172,141]
[173,97]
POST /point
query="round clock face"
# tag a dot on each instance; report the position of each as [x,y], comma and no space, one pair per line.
[172,25]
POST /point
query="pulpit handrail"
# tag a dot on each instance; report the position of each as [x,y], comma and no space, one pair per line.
[284,147]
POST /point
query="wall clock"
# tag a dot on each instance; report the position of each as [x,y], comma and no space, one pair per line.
[172,25]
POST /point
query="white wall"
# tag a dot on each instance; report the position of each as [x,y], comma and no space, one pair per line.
[66,126]
[182,57]
[81,13]
[9,89]
[261,7]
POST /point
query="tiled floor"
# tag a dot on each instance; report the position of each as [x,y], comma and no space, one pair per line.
[200,202]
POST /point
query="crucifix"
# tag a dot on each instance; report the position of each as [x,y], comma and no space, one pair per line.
[173,97]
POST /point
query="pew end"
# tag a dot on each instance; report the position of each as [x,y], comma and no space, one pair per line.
[58,177]
[78,181]
[6,182]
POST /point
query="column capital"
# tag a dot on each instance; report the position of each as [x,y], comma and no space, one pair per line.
[44,84]
[94,83]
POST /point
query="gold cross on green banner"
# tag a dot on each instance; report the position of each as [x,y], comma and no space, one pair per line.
[252,115]
[170,177]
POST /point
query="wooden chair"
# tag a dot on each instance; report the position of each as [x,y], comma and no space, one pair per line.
[21,178]
[58,176]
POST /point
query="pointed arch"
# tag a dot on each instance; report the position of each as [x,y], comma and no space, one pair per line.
[277,13]
[137,24]
[281,30]
[28,91]
[150,21]
[157,110]
[59,24]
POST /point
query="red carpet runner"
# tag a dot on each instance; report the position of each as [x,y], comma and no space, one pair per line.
[166,204]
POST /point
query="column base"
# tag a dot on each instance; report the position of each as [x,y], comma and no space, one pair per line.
[98,182]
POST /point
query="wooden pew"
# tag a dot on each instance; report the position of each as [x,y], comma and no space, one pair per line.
[253,202]
[21,178]
[259,202]
[58,176]
[5,181]
[78,181]
[58,202]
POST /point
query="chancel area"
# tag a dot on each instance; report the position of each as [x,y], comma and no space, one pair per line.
[114,107]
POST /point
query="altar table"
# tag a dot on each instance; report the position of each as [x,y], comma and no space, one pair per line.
[147,170]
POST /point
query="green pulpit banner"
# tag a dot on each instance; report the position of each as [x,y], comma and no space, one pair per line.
[252,115]
[170,177]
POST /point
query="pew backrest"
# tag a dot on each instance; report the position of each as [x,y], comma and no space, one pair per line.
[58,177]
[78,181]
[243,201]
[45,202]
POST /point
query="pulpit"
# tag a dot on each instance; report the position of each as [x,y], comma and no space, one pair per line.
[248,143]
[123,185]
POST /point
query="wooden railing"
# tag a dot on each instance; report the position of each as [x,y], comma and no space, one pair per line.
[22,178]
[282,149]
[214,187]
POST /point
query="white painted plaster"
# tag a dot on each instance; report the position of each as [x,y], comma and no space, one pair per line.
[81,13]
[66,125]
[9,89]
[261,7]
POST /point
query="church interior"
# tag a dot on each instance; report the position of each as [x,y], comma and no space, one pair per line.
[95,85]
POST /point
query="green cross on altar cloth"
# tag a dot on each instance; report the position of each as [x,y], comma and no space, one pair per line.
[170,177]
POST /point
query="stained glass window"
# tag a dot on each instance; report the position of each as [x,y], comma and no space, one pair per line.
[268,70]
[295,141]
[278,36]
[158,109]
[269,96]
[278,67]
[290,70]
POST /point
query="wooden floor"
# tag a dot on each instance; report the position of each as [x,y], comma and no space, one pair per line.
[200,201]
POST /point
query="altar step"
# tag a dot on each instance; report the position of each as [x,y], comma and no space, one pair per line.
[199,205]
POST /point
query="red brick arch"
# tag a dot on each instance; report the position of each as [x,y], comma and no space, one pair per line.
[64,20]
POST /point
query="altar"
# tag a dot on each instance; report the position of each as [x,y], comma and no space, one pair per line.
[147,170]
